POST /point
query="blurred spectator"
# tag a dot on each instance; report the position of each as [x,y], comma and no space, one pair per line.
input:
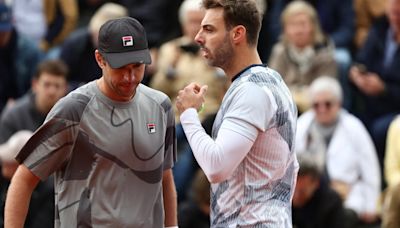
[341,145]
[303,53]
[29,112]
[391,203]
[41,207]
[392,159]
[367,11]
[78,49]
[87,8]
[377,76]
[195,213]
[180,63]
[337,21]
[159,18]
[46,22]
[336,18]
[18,59]
[313,198]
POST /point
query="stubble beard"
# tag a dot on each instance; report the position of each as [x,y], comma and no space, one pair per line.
[223,54]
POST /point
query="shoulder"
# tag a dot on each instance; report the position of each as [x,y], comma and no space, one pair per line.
[21,104]
[351,122]
[395,125]
[305,120]
[278,50]
[72,106]
[156,96]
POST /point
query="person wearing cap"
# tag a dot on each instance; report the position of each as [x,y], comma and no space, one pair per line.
[110,144]
[250,159]
[77,49]
[41,206]
[18,59]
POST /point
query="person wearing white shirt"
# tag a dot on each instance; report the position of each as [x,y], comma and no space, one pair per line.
[342,146]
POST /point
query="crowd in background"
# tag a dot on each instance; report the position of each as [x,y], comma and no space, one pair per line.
[339,58]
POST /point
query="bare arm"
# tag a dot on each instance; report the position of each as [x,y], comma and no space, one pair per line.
[18,197]
[170,199]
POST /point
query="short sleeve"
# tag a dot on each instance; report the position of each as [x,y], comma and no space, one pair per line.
[51,145]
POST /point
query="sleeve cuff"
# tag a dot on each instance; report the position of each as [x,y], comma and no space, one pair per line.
[189,115]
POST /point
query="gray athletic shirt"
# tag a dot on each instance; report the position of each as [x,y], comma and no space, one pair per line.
[108,157]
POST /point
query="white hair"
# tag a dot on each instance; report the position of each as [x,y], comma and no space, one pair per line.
[106,12]
[186,6]
[326,84]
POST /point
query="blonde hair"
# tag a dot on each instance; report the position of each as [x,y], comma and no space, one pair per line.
[299,6]
[106,12]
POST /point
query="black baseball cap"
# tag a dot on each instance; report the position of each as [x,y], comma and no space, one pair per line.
[123,41]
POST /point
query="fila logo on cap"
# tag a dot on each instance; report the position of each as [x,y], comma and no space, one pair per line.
[127,41]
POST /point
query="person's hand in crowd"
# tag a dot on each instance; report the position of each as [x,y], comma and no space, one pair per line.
[369,83]
[374,85]
[192,96]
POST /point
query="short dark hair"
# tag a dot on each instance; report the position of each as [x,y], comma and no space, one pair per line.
[55,67]
[239,12]
[308,166]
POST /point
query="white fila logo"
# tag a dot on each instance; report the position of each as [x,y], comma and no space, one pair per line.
[151,127]
[127,41]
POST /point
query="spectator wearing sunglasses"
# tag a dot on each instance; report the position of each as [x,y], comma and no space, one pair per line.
[343,148]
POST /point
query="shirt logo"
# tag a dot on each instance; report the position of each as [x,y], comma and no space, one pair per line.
[127,41]
[151,127]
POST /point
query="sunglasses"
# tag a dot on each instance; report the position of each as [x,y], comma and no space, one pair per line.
[326,104]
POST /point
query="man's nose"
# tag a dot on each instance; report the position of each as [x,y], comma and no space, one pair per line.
[198,38]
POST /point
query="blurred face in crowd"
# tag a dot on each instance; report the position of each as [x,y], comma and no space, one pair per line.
[214,39]
[393,13]
[48,89]
[120,84]
[299,30]
[305,187]
[326,107]
[4,38]
[192,23]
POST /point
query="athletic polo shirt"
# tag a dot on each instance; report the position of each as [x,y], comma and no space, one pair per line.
[259,192]
[108,157]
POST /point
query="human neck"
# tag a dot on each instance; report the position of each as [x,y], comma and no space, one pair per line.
[241,61]
[40,107]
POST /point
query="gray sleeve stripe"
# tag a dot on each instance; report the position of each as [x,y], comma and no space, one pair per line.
[170,137]
[39,161]
[72,109]
[166,105]
[69,205]
[49,129]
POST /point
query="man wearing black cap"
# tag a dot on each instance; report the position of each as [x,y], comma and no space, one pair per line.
[110,143]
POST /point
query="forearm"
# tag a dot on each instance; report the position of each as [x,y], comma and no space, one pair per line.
[18,197]
[218,158]
[170,199]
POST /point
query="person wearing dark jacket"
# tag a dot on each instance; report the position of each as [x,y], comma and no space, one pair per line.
[315,204]
[376,76]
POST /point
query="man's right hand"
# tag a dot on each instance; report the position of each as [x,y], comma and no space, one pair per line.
[192,96]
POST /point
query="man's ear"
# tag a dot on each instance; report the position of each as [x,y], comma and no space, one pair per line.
[99,59]
[238,34]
